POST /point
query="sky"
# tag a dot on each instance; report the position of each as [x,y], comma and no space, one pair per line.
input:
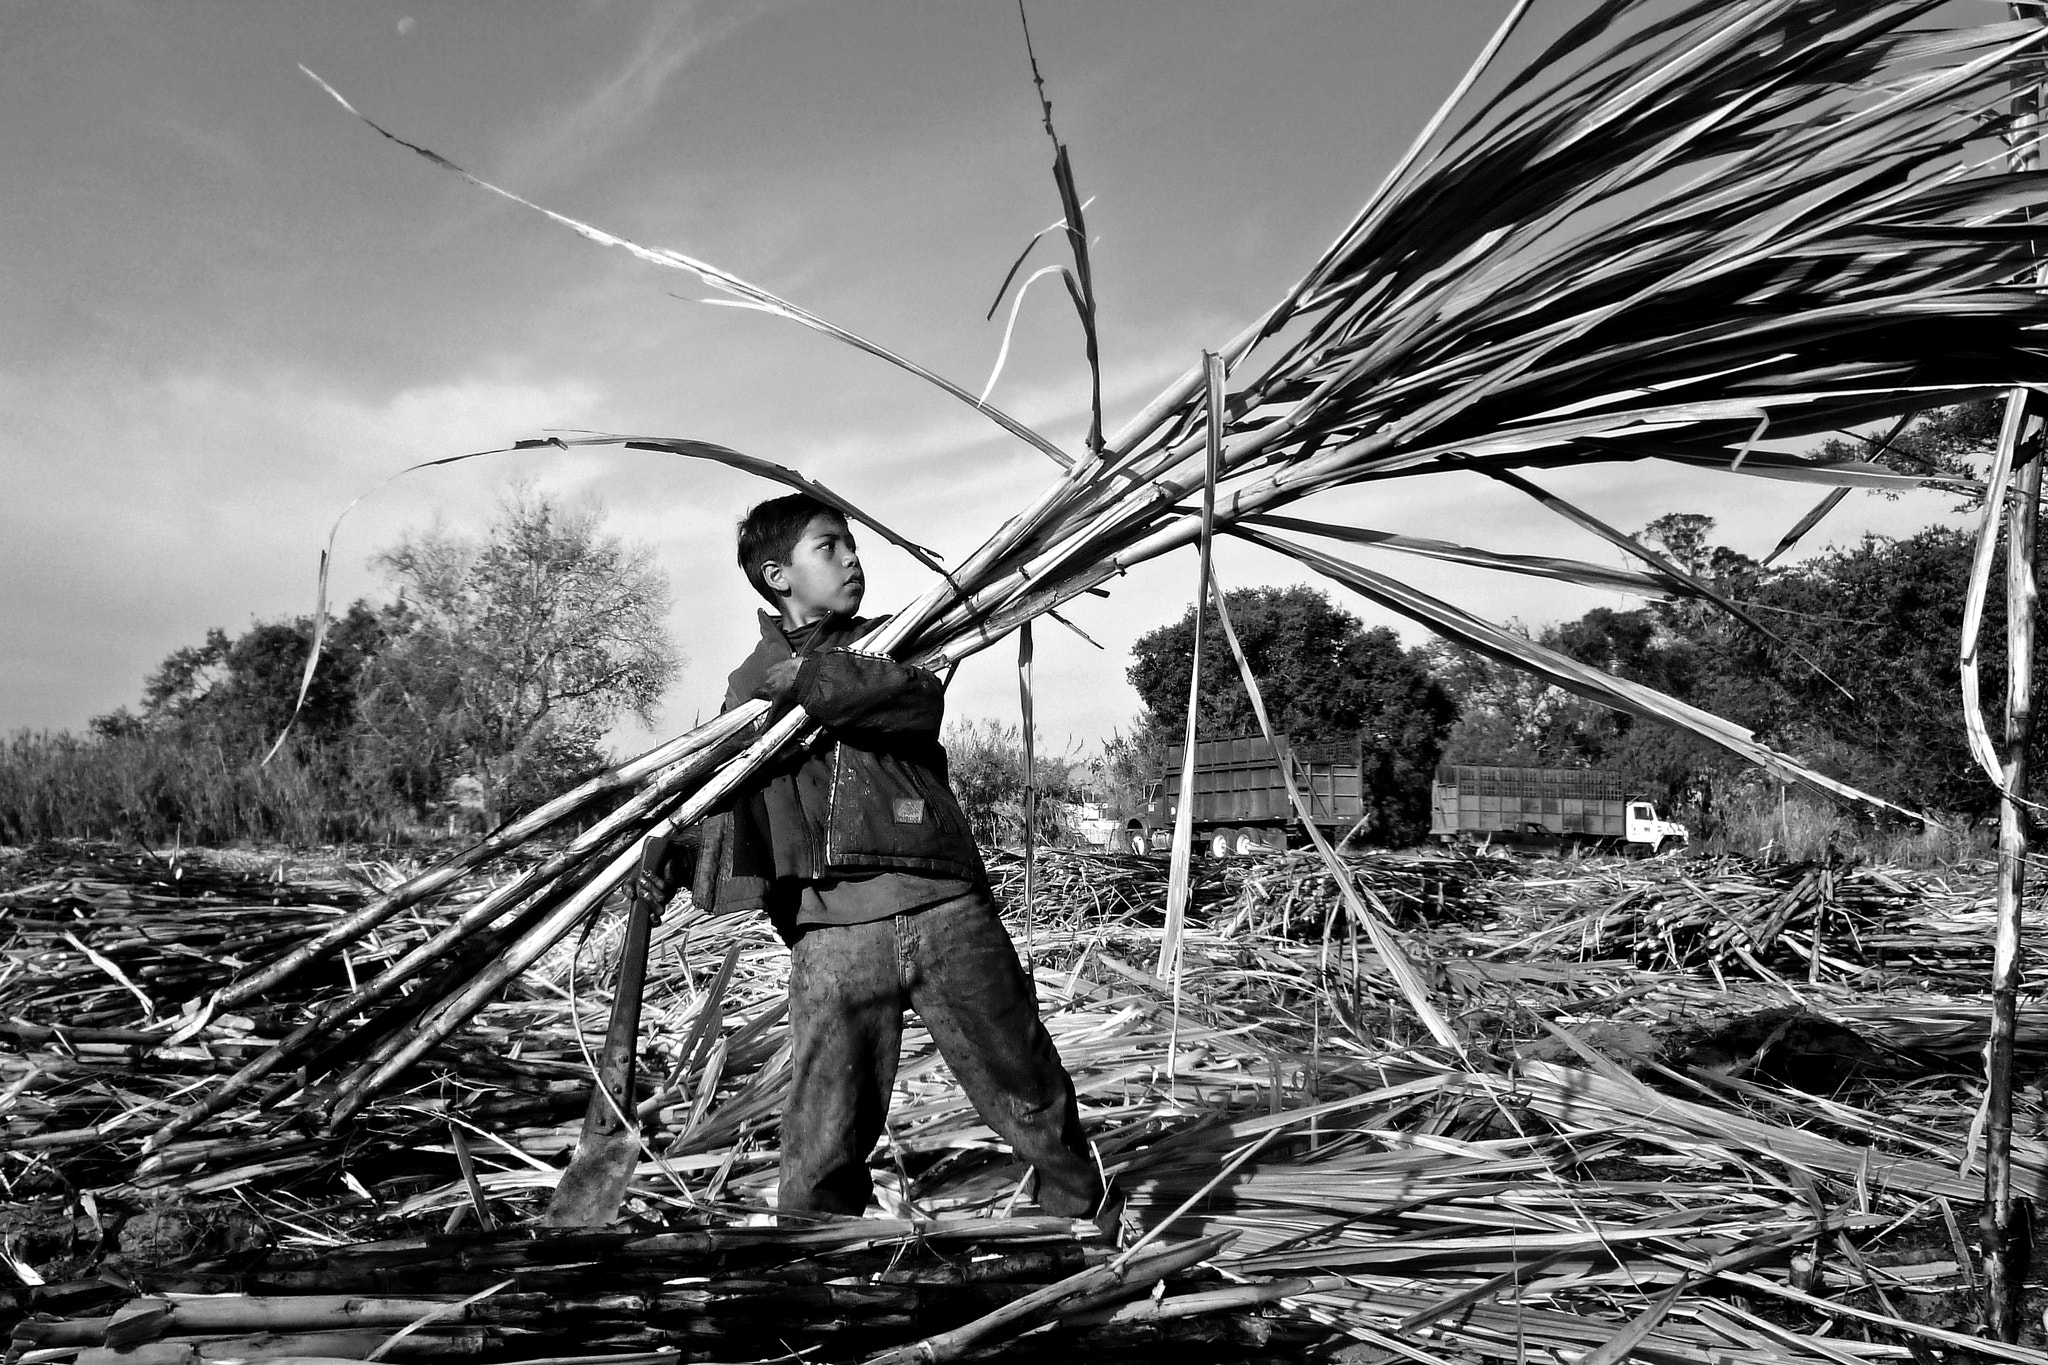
[231,308]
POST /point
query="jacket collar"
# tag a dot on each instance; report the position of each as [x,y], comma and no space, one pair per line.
[774,647]
[831,628]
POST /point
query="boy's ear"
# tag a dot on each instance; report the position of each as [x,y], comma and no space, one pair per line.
[773,574]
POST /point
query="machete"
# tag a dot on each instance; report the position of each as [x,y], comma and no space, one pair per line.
[595,1184]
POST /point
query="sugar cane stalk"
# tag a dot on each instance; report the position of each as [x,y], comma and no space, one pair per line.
[1028,1311]
[2005,1254]
[1180,879]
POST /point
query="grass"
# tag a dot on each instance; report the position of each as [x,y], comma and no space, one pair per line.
[1800,828]
[157,789]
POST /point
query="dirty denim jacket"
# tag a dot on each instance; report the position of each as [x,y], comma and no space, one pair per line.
[869,793]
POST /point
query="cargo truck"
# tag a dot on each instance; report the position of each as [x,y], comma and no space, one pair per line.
[1240,797]
[1485,803]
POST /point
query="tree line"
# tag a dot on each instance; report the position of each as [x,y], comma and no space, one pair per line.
[1858,676]
[487,682]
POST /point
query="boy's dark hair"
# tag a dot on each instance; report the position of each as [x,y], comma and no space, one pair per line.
[771,530]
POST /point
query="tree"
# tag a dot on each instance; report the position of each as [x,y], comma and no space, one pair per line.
[1323,675]
[1505,715]
[241,691]
[985,765]
[1883,618]
[1686,540]
[1946,444]
[517,652]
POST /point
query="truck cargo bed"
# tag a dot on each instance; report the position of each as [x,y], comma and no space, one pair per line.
[1481,799]
[1237,782]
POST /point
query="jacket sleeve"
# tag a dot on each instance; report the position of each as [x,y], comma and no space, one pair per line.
[844,689]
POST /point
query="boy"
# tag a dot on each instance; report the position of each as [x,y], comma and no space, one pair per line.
[856,847]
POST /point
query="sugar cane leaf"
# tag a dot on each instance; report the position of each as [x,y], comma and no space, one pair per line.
[1541,566]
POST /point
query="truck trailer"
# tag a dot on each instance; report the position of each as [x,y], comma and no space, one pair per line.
[1240,797]
[1481,803]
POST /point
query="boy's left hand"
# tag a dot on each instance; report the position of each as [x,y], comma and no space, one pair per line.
[658,875]
[780,684]
[651,887]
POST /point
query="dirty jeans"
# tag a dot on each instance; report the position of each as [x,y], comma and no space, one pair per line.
[955,965]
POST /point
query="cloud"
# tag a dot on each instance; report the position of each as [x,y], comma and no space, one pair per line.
[146,509]
[582,132]
[1053,407]
[222,147]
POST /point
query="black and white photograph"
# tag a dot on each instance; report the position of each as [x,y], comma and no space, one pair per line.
[1023,680]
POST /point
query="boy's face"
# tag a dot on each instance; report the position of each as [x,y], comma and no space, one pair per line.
[821,576]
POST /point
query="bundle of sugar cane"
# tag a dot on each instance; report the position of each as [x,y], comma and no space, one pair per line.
[1679,225]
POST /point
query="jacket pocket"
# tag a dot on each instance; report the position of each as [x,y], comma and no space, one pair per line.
[940,807]
[892,811]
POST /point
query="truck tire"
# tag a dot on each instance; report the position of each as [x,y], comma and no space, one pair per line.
[1221,843]
[1247,843]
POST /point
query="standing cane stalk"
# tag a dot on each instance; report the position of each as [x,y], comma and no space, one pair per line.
[2005,1253]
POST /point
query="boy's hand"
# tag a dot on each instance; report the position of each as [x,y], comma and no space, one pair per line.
[654,882]
[651,887]
[780,684]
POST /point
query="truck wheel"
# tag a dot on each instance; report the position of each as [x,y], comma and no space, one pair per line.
[1220,843]
[1248,843]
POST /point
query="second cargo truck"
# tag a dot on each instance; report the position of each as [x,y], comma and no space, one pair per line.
[1483,803]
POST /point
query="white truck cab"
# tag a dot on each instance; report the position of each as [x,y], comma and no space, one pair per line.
[1642,828]
[1096,824]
